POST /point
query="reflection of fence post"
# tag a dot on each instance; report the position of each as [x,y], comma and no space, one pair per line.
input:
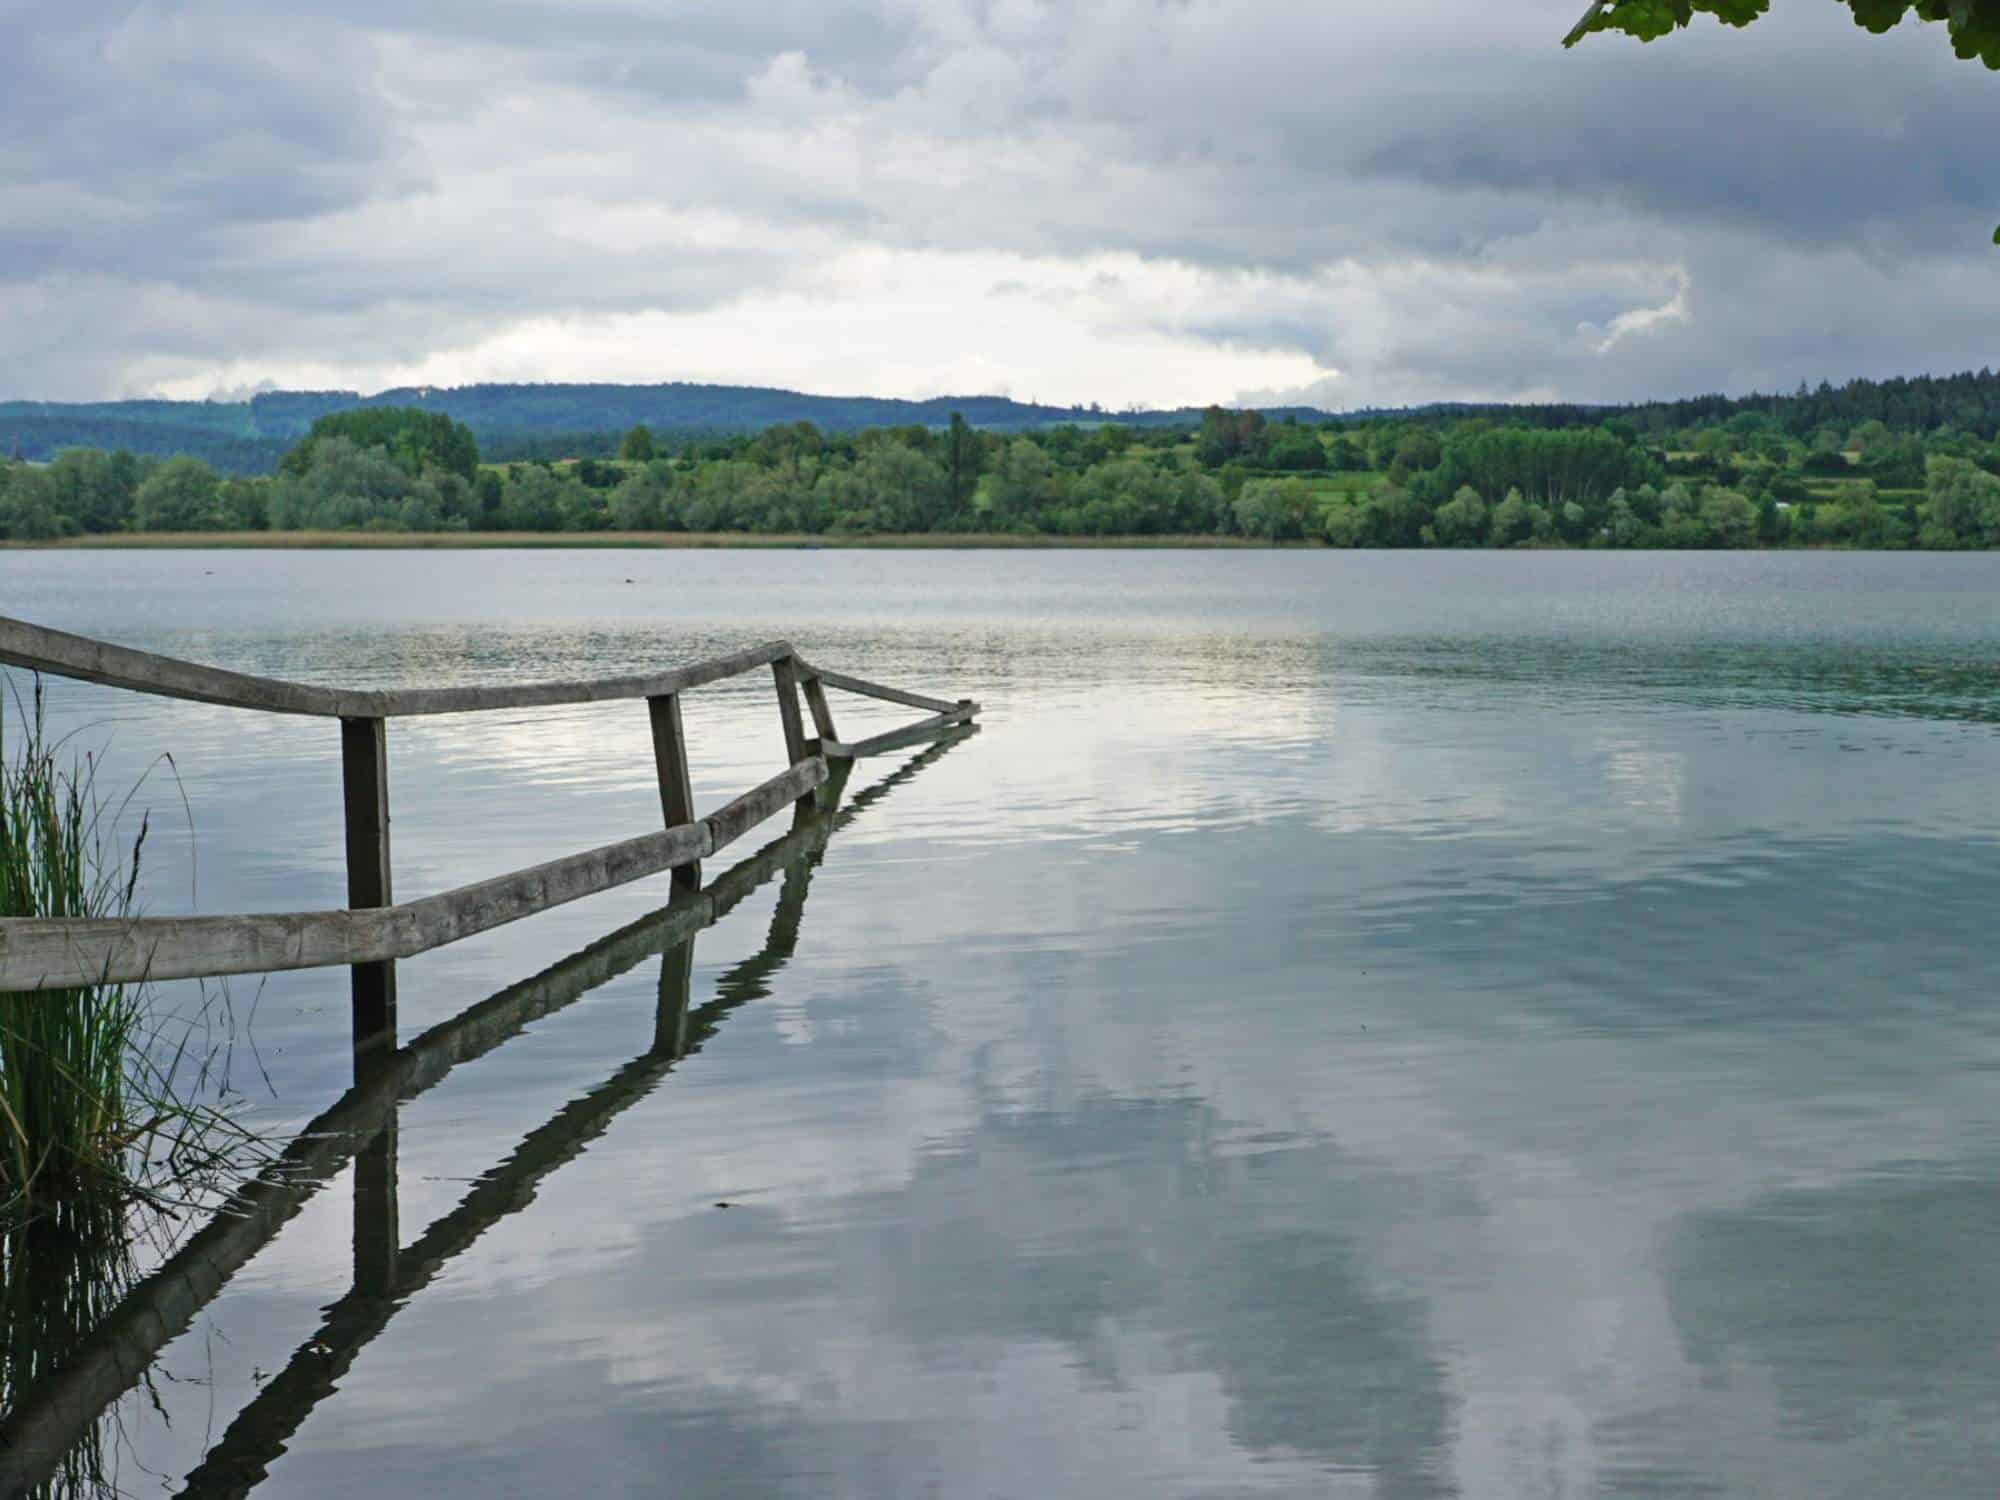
[676,993]
[377,1223]
[364,769]
[676,789]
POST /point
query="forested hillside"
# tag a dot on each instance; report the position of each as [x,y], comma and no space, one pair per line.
[528,422]
[1438,479]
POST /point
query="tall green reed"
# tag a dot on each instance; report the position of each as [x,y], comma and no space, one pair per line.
[106,1135]
[67,1118]
[92,1102]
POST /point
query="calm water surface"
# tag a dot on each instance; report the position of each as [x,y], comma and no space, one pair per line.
[1375,1025]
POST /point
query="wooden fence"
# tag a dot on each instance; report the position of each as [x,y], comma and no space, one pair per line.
[374,931]
[361,1129]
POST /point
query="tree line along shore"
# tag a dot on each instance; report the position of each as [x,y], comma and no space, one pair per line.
[1543,478]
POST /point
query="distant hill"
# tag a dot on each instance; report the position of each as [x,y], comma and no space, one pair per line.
[522,421]
[511,420]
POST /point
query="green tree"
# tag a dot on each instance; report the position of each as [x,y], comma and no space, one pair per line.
[416,440]
[1021,485]
[636,446]
[27,505]
[1136,496]
[902,489]
[1461,520]
[1346,456]
[182,494]
[1227,435]
[1394,517]
[1961,504]
[538,500]
[1681,520]
[94,489]
[1729,518]
[1278,510]
[962,461]
[1297,449]
[645,500]
[244,504]
[1343,525]
[1513,520]
[1622,524]
[1418,451]
[344,485]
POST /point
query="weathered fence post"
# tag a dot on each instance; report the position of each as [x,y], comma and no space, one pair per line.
[786,670]
[676,790]
[822,714]
[364,774]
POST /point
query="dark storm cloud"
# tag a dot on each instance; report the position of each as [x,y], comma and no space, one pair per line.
[1428,196]
[141,133]
[1777,134]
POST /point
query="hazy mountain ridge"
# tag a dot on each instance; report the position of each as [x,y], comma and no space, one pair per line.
[514,420]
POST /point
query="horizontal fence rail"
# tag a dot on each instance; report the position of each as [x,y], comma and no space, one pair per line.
[373,931]
[61,655]
[66,953]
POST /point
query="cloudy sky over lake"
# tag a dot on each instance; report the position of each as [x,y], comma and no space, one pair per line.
[1349,202]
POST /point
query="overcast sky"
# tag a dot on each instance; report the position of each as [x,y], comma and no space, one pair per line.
[1129,201]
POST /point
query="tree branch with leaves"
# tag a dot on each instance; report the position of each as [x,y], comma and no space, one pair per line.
[1973,25]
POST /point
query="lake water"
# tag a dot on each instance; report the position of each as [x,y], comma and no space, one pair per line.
[1348,1024]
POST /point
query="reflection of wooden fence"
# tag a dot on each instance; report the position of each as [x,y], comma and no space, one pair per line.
[373,932]
[361,1128]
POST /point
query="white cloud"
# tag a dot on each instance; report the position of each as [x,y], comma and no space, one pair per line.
[1114,329]
[1640,319]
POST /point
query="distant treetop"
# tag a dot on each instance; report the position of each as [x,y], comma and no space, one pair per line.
[415,440]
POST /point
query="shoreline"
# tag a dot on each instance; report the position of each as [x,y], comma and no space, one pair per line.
[664,540]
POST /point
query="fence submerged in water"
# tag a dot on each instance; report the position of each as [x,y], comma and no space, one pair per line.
[373,931]
[360,1131]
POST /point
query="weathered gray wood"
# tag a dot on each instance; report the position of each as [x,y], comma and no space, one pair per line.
[736,819]
[670,759]
[822,714]
[909,734]
[53,953]
[785,671]
[40,954]
[364,776]
[407,702]
[63,655]
[868,689]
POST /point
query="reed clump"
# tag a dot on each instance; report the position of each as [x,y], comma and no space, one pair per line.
[67,1124]
[89,1106]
